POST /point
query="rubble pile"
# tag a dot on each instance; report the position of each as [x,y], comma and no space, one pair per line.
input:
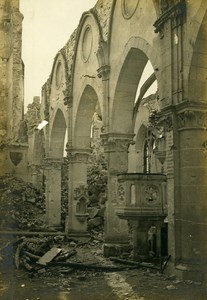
[97,185]
[96,176]
[33,253]
[64,191]
[52,255]
[22,206]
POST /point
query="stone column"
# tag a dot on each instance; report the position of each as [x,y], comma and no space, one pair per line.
[116,150]
[78,197]
[139,238]
[53,191]
[36,175]
[191,208]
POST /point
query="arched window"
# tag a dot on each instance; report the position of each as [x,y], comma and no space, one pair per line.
[146,157]
[148,150]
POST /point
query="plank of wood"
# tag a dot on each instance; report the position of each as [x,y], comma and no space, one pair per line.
[134,263]
[96,267]
[48,256]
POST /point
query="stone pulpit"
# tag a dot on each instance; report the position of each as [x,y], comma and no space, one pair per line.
[143,203]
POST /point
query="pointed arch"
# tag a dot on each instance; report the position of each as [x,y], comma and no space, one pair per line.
[137,52]
[57,137]
[83,119]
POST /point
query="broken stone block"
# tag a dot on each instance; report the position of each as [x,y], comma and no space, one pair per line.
[41,271]
[48,256]
[171,277]
[171,287]
[112,250]
[31,200]
[101,212]
[93,211]
[95,222]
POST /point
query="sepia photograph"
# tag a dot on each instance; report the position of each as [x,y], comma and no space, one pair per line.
[103,149]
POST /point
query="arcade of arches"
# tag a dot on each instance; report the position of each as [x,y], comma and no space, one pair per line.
[141,66]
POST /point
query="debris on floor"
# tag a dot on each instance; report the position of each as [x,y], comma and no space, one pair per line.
[22,206]
[49,256]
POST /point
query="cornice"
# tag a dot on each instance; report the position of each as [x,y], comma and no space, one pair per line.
[175,12]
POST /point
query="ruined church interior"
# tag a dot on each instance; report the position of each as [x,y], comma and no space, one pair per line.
[113,153]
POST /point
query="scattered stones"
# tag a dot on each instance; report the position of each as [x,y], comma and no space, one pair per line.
[81,277]
[22,206]
[93,211]
[197,283]
[171,277]
[171,287]
[41,271]
[73,244]
[188,281]
[95,222]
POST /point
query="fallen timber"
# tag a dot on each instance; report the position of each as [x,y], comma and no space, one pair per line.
[134,263]
[31,233]
[96,267]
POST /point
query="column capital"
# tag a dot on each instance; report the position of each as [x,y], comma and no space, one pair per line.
[103,60]
[79,155]
[161,121]
[192,119]
[117,142]
[53,163]
[191,115]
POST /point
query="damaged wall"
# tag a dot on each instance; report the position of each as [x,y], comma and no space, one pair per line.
[97,66]
[13,160]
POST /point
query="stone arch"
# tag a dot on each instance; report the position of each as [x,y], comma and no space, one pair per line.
[81,25]
[80,149]
[59,58]
[156,7]
[57,136]
[136,54]
[79,32]
[196,19]
[53,167]
[83,118]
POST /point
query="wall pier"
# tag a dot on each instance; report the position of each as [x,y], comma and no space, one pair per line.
[116,150]
[191,210]
[76,223]
[53,192]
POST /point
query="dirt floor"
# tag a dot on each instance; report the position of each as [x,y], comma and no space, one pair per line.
[28,280]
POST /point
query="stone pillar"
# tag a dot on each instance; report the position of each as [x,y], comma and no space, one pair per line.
[116,150]
[53,191]
[191,208]
[36,175]
[139,238]
[78,197]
